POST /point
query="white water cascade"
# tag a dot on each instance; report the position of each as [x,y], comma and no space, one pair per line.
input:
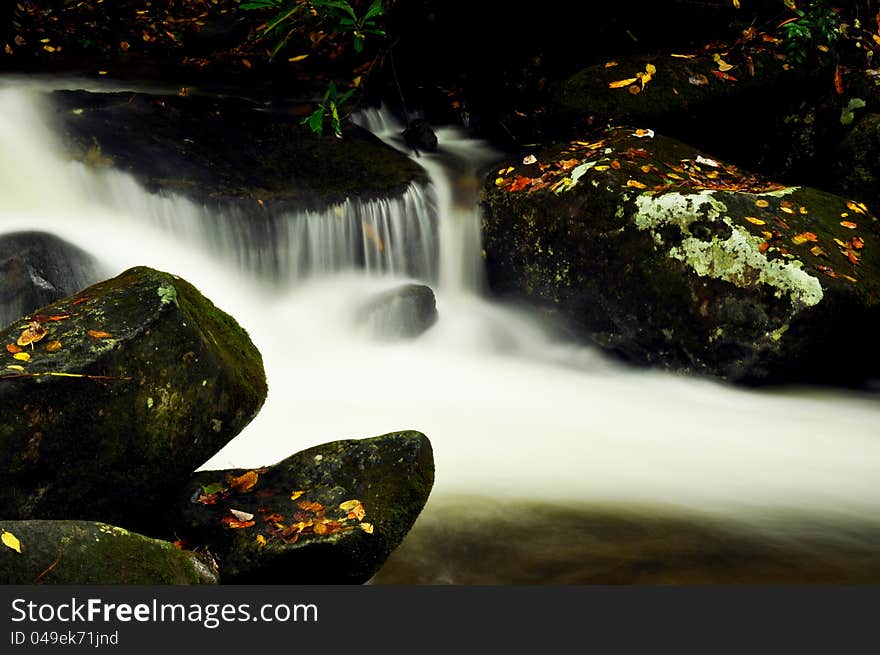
[512,412]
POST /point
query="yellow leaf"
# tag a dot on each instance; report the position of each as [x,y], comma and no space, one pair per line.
[855,207]
[849,224]
[32,333]
[619,84]
[349,505]
[296,494]
[367,527]
[610,64]
[635,184]
[756,221]
[53,346]
[601,167]
[682,56]
[736,4]
[651,69]
[16,367]
[261,540]
[11,541]
[761,203]
[299,58]
[24,357]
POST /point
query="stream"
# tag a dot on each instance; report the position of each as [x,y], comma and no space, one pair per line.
[553,462]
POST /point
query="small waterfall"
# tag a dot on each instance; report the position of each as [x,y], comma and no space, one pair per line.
[396,236]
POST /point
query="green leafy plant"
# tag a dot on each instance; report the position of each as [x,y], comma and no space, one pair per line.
[294,17]
[814,24]
[328,110]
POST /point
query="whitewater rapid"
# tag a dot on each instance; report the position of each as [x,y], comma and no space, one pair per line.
[512,410]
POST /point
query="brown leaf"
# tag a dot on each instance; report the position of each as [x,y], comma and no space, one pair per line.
[53,346]
[309,506]
[519,184]
[33,333]
[244,482]
[233,523]
[98,334]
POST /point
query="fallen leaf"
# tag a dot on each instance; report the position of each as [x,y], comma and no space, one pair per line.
[519,184]
[635,184]
[11,541]
[610,64]
[676,56]
[16,367]
[208,499]
[33,333]
[297,58]
[858,243]
[310,506]
[529,159]
[722,65]
[244,482]
[13,348]
[367,527]
[761,203]
[349,505]
[724,76]
[763,247]
[804,237]
[859,208]
[849,224]
[296,494]
[756,221]
[838,81]
[241,516]
[23,357]
[619,84]
[818,251]
[98,334]
[849,278]
[828,271]
[234,524]
[707,162]
[698,80]
[53,346]
[643,134]
[261,541]
[213,488]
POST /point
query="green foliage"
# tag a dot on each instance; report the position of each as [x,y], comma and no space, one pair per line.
[300,16]
[815,24]
[328,110]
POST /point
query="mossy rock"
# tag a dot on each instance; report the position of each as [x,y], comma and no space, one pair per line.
[391,476]
[228,151]
[137,381]
[690,266]
[83,552]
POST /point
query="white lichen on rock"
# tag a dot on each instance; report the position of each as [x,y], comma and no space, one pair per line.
[735,259]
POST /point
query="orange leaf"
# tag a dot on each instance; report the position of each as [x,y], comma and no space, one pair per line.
[53,346]
[635,184]
[32,334]
[804,237]
[244,482]
[98,334]
[519,184]
[858,243]
[849,224]
[309,506]
[234,523]
[838,81]
[12,348]
[724,76]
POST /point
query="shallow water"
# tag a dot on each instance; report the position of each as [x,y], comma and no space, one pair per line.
[549,457]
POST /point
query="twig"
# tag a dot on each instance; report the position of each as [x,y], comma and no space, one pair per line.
[60,375]
[40,577]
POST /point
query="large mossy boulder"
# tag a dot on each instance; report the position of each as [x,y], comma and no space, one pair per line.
[265,161]
[37,268]
[327,515]
[668,257]
[83,552]
[135,382]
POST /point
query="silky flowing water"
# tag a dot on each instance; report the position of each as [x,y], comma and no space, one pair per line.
[553,463]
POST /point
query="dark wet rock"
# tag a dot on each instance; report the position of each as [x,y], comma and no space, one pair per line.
[672,272]
[173,379]
[856,167]
[401,313]
[83,552]
[420,136]
[390,475]
[37,268]
[266,161]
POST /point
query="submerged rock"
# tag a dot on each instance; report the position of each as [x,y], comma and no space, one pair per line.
[420,136]
[669,257]
[327,515]
[135,382]
[402,313]
[82,552]
[37,268]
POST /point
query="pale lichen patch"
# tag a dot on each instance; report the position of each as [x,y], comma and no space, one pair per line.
[736,259]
